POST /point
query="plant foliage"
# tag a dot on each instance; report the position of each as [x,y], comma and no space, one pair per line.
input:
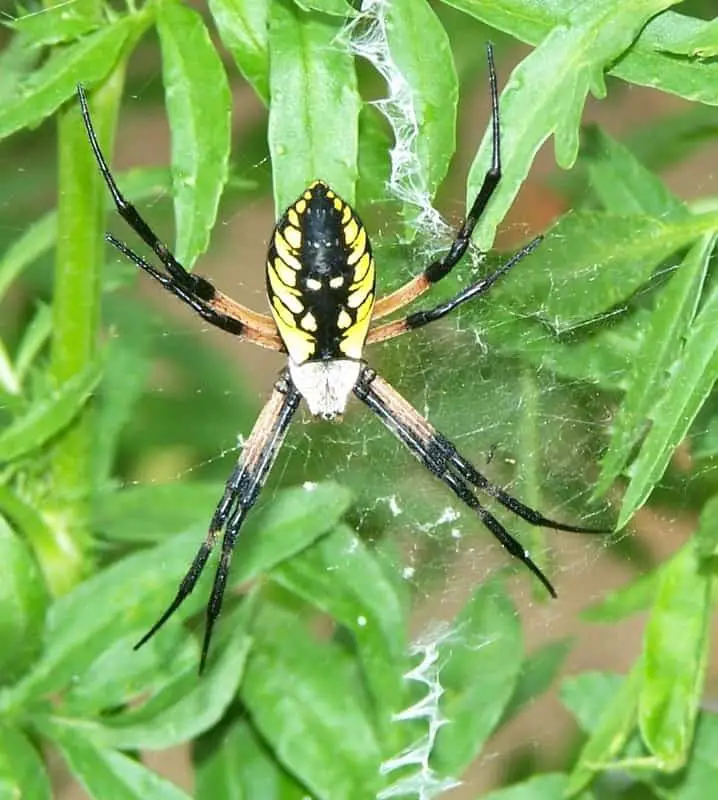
[619,306]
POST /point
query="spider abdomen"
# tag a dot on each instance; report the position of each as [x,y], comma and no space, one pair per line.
[321,278]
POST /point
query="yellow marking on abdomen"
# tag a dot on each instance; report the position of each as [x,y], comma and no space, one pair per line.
[361,269]
[358,247]
[286,275]
[293,236]
[335,283]
[308,322]
[351,229]
[293,217]
[288,295]
[284,251]
[343,320]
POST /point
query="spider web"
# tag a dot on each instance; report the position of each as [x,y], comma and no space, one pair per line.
[481,403]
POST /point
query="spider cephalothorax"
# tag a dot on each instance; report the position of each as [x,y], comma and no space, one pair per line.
[321,292]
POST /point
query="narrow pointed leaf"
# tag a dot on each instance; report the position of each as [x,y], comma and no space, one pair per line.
[198,107]
[313,118]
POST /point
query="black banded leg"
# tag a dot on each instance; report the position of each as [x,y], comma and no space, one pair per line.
[240,494]
[440,268]
[430,448]
[125,209]
[418,319]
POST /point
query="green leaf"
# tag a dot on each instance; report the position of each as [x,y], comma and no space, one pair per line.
[23,600]
[48,416]
[420,51]
[198,107]
[698,779]
[39,237]
[547,91]
[341,576]
[590,262]
[61,23]
[34,338]
[618,604]
[105,773]
[150,514]
[314,114]
[706,536]
[233,763]
[606,707]
[645,63]
[675,653]
[22,770]
[304,697]
[690,381]
[662,343]
[88,61]
[242,26]
[339,8]
[542,787]
[538,672]
[701,42]
[129,596]
[622,183]
[481,662]
[186,706]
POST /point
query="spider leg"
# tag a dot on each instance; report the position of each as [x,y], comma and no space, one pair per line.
[240,494]
[441,458]
[442,267]
[418,319]
[182,283]
[208,311]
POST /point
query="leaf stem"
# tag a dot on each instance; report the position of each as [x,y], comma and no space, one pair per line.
[76,316]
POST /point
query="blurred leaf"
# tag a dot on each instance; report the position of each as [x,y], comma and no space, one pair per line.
[48,416]
[622,183]
[105,773]
[590,262]
[341,576]
[22,770]
[315,105]
[374,162]
[233,763]
[663,341]
[185,707]
[542,787]
[698,779]
[675,651]
[538,672]
[34,241]
[605,706]
[23,600]
[61,23]
[645,63]
[485,640]
[638,595]
[690,381]
[126,373]
[706,537]
[420,51]
[547,91]
[304,697]
[242,26]
[151,514]
[34,338]
[129,596]
[701,43]
[17,59]
[89,61]
[196,91]
[121,675]
[40,236]
[339,8]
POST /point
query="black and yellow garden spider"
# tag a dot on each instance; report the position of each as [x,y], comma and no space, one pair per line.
[320,285]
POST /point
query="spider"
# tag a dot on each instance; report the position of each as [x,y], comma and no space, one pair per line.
[320,278]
